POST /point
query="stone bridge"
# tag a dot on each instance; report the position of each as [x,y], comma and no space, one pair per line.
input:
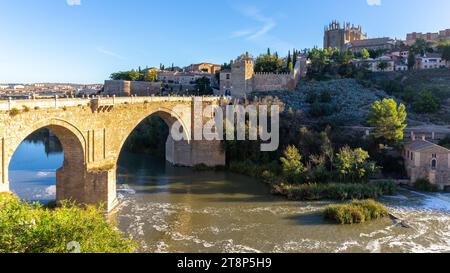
[93,132]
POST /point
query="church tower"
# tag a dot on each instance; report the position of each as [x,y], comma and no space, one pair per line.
[337,36]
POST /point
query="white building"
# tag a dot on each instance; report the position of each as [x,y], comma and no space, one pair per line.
[375,65]
[18,87]
[430,61]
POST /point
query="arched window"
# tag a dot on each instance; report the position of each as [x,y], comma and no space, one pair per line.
[433,164]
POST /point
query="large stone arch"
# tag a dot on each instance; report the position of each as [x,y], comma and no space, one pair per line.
[68,185]
[169,117]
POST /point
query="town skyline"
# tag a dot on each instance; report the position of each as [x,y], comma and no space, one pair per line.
[86,37]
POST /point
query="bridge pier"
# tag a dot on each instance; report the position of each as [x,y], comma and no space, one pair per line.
[182,153]
[97,187]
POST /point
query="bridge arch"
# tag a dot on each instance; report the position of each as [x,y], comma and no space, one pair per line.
[68,185]
[167,115]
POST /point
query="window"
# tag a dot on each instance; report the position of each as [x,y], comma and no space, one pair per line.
[433,164]
[228,76]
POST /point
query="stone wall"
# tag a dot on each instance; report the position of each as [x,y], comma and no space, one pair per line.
[128,88]
[264,82]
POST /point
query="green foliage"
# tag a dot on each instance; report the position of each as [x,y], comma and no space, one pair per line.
[424,185]
[388,118]
[365,54]
[30,228]
[426,103]
[131,75]
[149,137]
[267,172]
[291,164]
[203,87]
[353,165]
[357,212]
[334,191]
[421,47]
[446,53]
[411,60]
[445,142]
[150,75]
[270,63]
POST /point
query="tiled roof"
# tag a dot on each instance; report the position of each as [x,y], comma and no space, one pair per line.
[418,145]
[371,42]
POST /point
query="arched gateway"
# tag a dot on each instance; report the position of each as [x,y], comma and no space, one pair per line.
[92,133]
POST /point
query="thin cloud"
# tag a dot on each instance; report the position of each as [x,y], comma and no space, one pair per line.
[73,2]
[374,2]
[110,53]
[261,34]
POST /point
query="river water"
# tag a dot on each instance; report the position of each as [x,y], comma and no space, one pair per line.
[169,209]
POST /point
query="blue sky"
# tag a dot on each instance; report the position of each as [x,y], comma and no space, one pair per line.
[84,41]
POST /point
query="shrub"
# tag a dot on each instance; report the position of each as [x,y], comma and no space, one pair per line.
[26,108]
[14,112]
[424,185]
[356,212]
[37,108]
[427,103]
[201,168]
[334,191]
[31,228]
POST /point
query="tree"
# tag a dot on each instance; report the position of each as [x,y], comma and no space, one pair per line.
[426,103]
[292,165]
[411,60]
[131,75]
[353,165]
[203,87]
[421,47]
[383,65]
[150,75]
[365,54]
[388,118]
[446,53]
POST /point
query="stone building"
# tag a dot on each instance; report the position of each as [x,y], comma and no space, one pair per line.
[338,37]
[242,79]
[204,67]
[372,44]
[129,88]
[431,37]
[424,159]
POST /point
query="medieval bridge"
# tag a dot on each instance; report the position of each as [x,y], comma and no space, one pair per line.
[92,133]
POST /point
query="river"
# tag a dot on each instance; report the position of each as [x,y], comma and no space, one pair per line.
[169,209]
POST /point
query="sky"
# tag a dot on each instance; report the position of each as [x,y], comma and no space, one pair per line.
[84,41]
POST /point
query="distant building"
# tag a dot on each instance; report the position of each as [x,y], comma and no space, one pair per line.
[204,67]
[129,88]
[430,61]
[424,159]
[182,78]
[242,79]
[372,44]
[338,37]
[432,37]
[18,87]
[374,65]
[3,87]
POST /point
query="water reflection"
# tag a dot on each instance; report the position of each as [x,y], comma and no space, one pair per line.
[171,209]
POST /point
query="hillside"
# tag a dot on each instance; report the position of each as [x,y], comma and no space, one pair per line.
[347,101]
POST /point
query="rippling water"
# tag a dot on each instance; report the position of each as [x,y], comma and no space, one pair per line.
[171,209]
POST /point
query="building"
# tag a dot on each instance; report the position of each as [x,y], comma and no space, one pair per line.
[130,88]
[431,37]
[424,159]
[430,61]
[182,78]
[374,65]
[204,67]
[338,37]
[385,43]
[241,80]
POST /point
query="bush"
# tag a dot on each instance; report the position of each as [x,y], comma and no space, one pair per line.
[26,108]
[424,185]
[357,212]
[31,228]
[334,191]
[427,103]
